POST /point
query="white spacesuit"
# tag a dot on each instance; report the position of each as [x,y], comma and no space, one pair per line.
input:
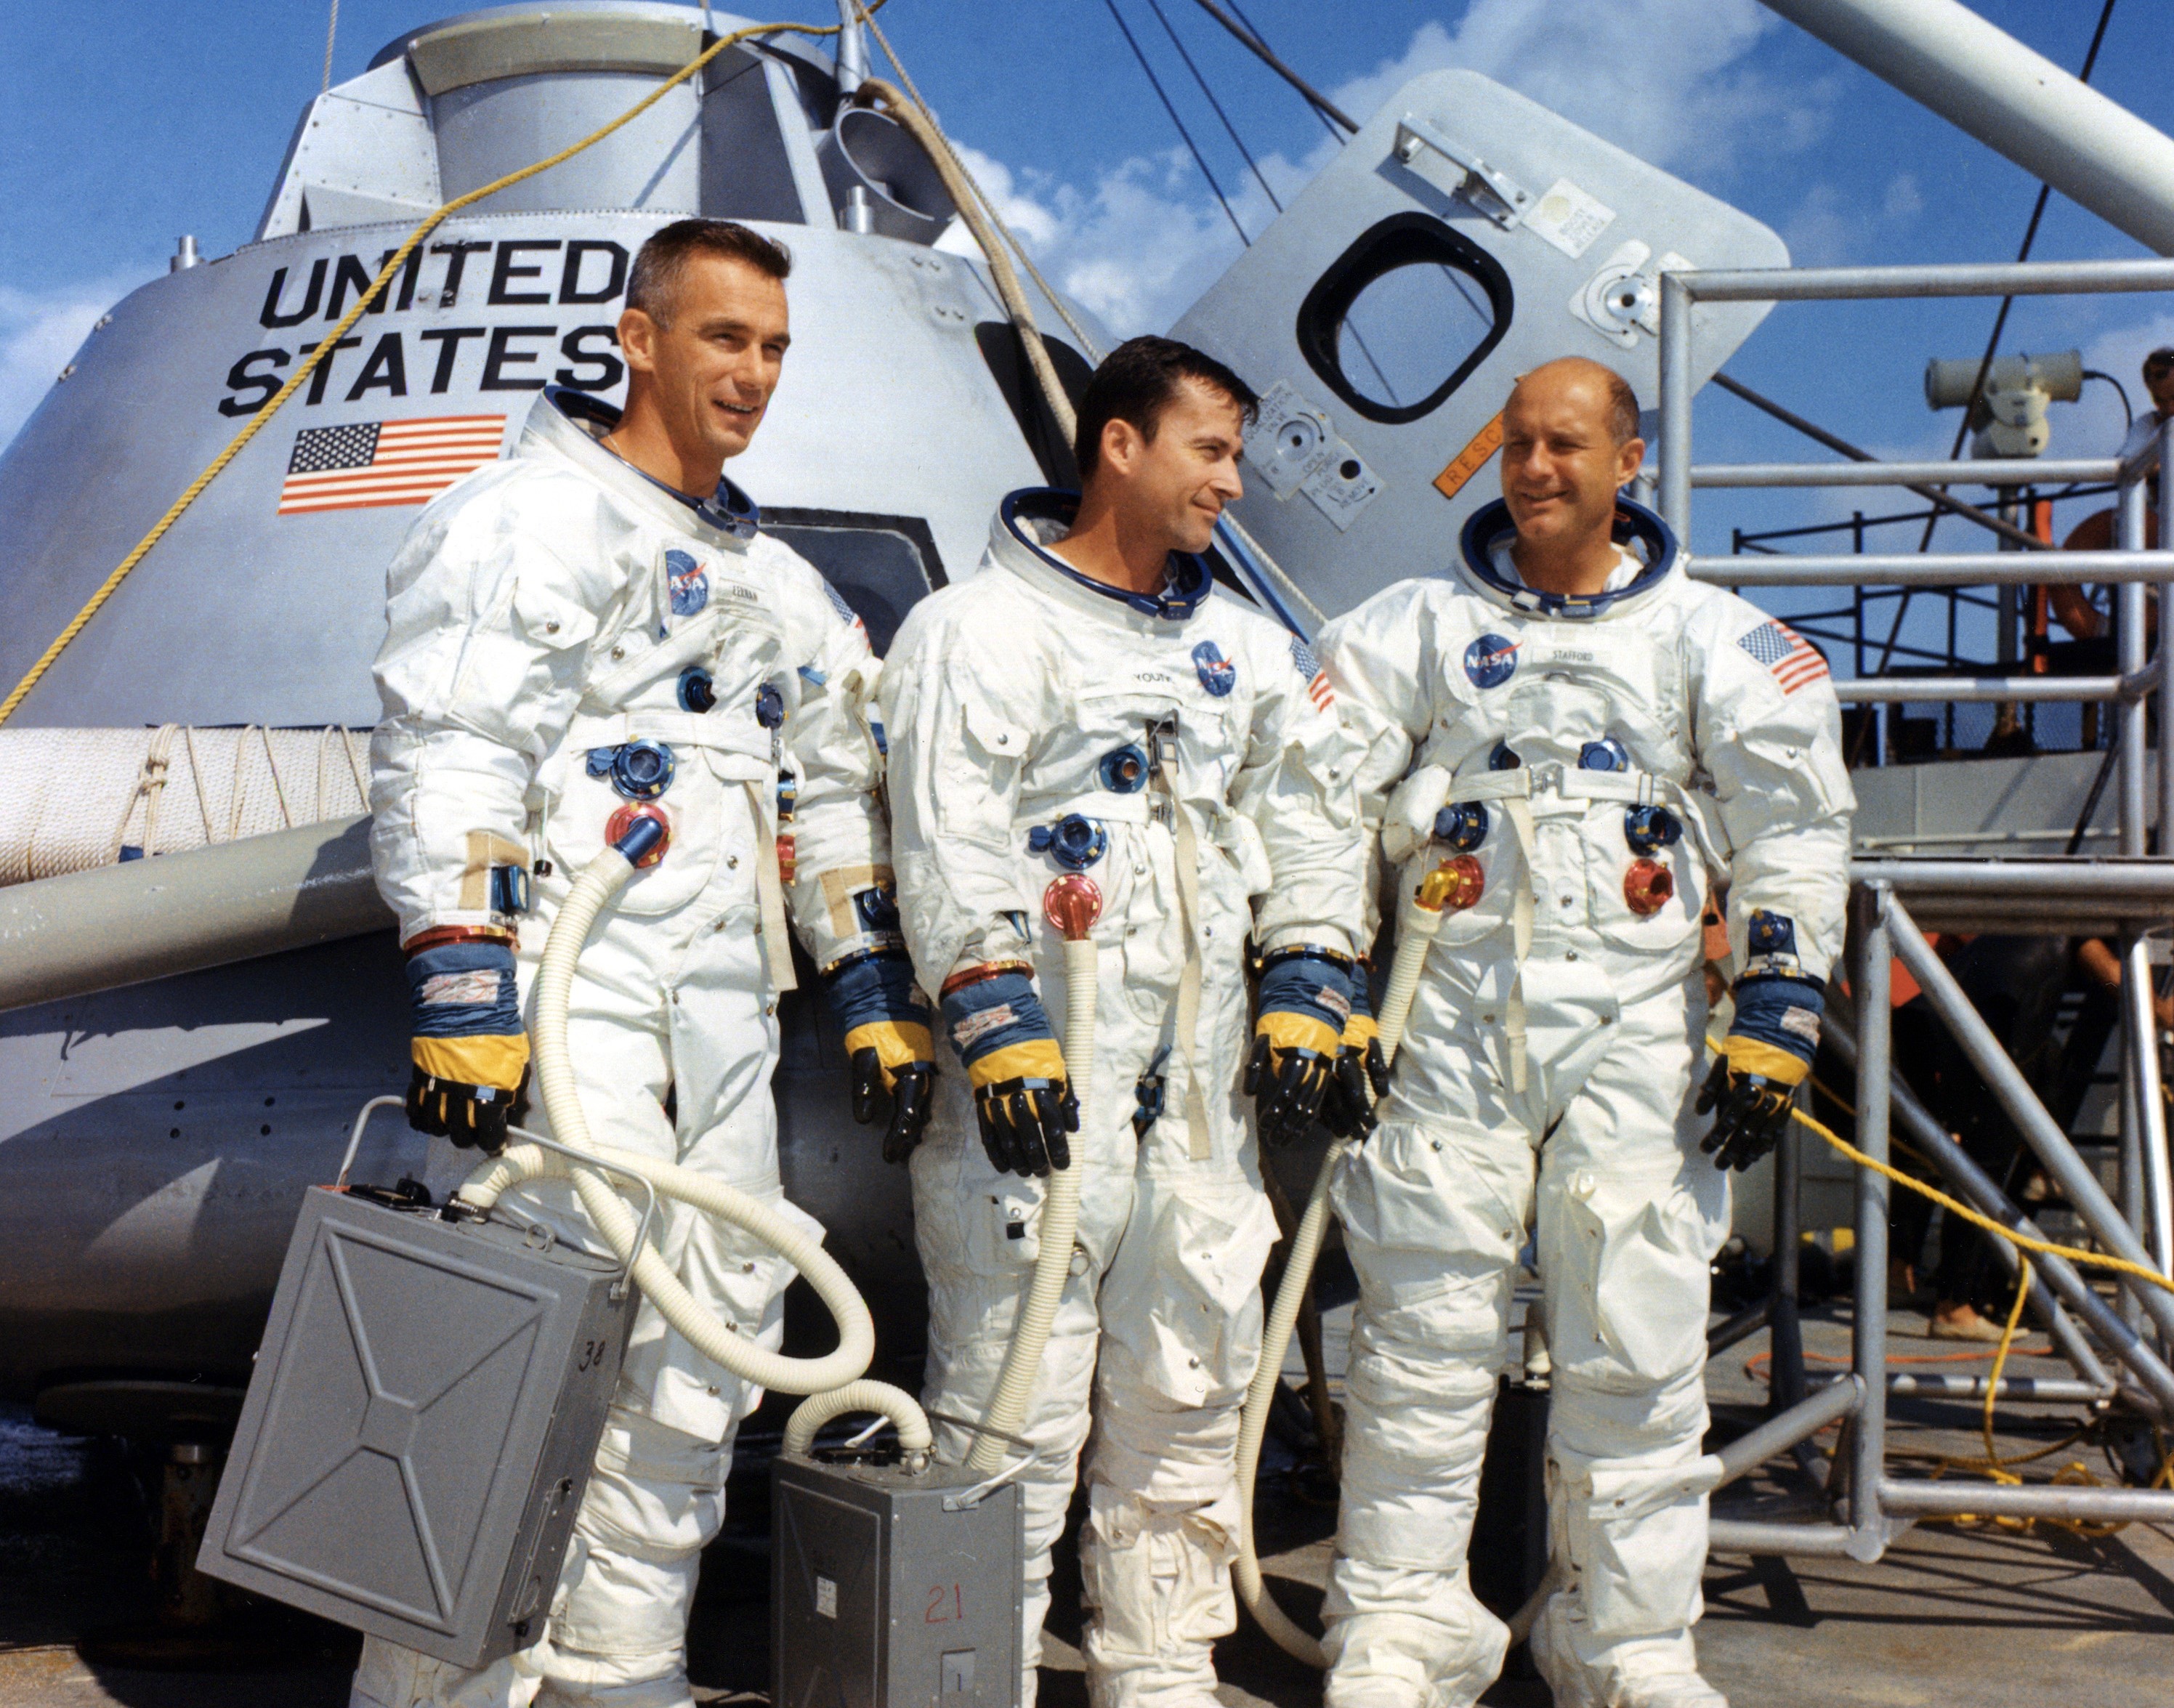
[1602,760]
[572,642]
[1182,752]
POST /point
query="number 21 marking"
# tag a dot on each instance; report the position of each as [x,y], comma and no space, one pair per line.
[937,1614]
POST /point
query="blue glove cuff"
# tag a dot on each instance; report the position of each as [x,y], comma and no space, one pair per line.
[1307,983]
[874,986]
[464,990]
[1362,992]
[993,1014]
[1784,1013]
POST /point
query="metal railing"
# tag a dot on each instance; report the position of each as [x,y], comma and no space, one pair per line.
[2119,896]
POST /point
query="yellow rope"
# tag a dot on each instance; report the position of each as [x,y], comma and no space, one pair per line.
[2022,1241]
[2073,1473]
[323,351]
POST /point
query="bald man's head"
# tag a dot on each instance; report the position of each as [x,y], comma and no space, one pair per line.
[1570,442]
[1607,390]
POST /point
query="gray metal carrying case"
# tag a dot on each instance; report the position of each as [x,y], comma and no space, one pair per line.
[426,1404]
[891,1590]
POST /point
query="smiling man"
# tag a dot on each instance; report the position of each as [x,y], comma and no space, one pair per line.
[594,631]
[1089,703]
[1602,736]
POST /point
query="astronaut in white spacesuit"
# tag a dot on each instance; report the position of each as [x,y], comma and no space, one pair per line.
[1603,737]
[593,631]
[1089,703]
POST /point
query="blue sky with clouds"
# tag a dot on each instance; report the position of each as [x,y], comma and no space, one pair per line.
[118,131]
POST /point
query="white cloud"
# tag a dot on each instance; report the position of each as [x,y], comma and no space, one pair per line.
[1661,78]
[39,331]
[1820,233]
[1903,200]
[2093,425]
[1134,249]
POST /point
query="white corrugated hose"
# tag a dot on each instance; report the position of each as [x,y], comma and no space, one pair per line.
[836,1378]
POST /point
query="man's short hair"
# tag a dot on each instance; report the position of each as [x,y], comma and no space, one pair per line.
[2158,361]
[1622,408]
[653,285]
[1140,379]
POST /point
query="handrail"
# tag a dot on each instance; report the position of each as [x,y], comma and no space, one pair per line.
[2006,471]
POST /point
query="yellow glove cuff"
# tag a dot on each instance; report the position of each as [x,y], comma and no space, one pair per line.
[897,1043]
[1286,1030]
[1359,1031]
[493,1059]
[1038,1058]
[1750,1056]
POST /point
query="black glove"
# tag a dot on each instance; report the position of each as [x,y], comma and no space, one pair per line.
[1306,1003]
[886,1026]
[908,1091]
[472,1117]
[1362,1071]
[470,1056]
[1750,1112]
[1769,1049]
[1024,1123]
[1022,1097]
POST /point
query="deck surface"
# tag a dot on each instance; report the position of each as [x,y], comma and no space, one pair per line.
[1953,1617]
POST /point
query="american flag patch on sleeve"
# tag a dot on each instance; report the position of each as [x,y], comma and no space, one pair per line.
[838,604]
[1789,658]
[1316,679]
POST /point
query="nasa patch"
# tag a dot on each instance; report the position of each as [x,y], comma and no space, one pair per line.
[690,583]
[1217,674]
[1491,661]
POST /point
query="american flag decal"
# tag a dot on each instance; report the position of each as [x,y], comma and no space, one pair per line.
[380,462]
[1317,685]
[1791,660]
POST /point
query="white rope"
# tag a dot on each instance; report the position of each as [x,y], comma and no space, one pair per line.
[195,776]
[71,800]
[332,33]
[272,765]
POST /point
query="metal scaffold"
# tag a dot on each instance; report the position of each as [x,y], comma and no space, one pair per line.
[2120,1350]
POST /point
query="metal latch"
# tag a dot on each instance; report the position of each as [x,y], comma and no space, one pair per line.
[1495,193]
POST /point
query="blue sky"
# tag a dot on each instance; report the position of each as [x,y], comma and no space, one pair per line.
[115,139]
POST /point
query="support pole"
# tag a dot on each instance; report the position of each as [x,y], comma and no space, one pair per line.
[1676,406]
[2034,1500]
[2141,1029]
[1779,1433]
[1742,1536]
[2129,659]
[2068,1170]
[1868,1438]
[2050,1277]
[2165,651]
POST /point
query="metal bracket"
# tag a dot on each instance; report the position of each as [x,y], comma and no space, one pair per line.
[1494,193]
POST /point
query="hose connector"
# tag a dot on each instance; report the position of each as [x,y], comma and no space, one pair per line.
[1451,887]
[1647,887]
[641,834]
[1071,903]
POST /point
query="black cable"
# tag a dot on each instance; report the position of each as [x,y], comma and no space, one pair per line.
[1229,129]
[1254,43]
[2126,407]
[1388,390]
[1198,159]
[1992,344]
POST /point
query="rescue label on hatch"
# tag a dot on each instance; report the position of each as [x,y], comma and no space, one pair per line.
[1471,460]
